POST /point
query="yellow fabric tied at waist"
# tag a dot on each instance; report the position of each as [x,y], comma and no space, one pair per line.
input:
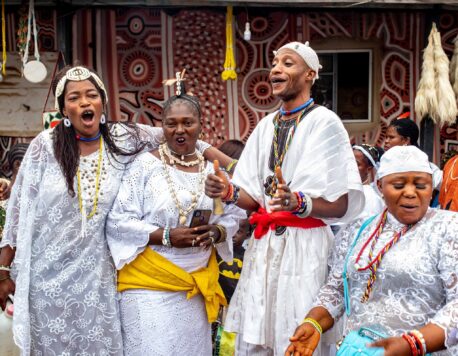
[152,271]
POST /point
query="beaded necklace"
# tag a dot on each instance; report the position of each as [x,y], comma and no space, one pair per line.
[90,139]
[183,213]
[374,262]
[175,160]
[279,159]
[295,110]
[97,181]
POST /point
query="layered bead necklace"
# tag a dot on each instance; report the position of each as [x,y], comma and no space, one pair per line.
[182,212]
[98,172]
[374,262]
[175,160]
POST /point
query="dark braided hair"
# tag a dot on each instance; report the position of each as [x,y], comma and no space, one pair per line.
[65,144]
[407,129]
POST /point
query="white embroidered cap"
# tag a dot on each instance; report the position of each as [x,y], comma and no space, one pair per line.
[307,54]
[401,159]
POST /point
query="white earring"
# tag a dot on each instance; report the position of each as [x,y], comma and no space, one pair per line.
[67,122]
[103,119]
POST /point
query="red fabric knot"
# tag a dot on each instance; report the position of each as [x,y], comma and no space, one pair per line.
[265,221]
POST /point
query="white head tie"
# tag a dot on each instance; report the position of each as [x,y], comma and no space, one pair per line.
[77,74]
[307,54]
[366,154]
[401,159]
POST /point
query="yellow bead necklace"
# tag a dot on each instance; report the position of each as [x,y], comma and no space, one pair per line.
[97,181]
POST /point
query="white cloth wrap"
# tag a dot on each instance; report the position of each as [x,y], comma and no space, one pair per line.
[282,274]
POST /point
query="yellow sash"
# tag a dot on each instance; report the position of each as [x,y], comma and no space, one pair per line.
[152,271]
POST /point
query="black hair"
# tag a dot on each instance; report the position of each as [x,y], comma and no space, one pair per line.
[232,148]
[374,151]
[65,144]
[407,129]
[182,98]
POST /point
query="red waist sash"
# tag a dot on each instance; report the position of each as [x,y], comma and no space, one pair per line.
[265,221]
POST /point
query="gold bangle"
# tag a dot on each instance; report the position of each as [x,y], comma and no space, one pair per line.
[314,323]
[222,234]
[231,165]
[4,278]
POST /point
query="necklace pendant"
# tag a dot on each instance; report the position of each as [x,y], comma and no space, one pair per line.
[182,220]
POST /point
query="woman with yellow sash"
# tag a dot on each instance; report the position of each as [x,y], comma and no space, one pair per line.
[168,274]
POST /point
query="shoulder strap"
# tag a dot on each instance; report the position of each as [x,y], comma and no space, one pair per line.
[344,273]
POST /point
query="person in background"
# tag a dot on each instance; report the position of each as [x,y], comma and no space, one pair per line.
[404,132]
[367,158]
[448,196]
[395,273]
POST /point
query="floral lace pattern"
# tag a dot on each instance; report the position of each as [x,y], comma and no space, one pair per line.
[417,281]
[65,299]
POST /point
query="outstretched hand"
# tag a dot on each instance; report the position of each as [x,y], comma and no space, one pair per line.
[304,341]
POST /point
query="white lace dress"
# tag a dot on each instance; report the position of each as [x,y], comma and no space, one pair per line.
[417,281]
[65,286]
[282,273]
[158,322]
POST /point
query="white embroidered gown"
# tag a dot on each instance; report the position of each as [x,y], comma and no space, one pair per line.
[416,280]
[162,323]
[282,274]
[65,299]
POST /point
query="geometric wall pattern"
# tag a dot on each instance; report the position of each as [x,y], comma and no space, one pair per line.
[149,45]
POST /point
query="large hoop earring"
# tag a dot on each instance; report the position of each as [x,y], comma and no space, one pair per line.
[103,120]
[67,122]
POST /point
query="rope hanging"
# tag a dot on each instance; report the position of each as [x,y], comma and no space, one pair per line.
[229,63]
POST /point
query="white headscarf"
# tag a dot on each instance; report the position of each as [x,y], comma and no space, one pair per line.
[401,159]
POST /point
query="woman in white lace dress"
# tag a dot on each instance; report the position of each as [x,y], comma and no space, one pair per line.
[65,284]
[402,269]
[155,249]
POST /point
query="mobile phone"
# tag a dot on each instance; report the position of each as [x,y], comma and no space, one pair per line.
[200,217]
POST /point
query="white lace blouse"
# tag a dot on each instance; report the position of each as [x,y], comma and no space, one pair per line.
[417,281]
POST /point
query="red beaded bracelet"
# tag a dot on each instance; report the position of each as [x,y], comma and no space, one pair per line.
[411,341]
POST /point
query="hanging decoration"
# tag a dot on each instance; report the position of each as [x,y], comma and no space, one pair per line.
[454,68]
[34,71]
[229,63]
[22,31]
[3,62]
[435,96]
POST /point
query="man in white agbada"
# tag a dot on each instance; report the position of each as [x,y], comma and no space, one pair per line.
[286,261]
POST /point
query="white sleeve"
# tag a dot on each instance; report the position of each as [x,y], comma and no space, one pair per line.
[127,232]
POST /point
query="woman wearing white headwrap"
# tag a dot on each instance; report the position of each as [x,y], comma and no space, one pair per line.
[400,268]
[367,159]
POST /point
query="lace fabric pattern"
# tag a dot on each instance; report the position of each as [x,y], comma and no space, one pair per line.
[65,299]
[417,281]
[174,324]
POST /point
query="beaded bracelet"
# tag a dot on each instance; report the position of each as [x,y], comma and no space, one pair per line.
[5,268]
[420,340]
[315,324]
[166,237]
[232,195]
[412,344]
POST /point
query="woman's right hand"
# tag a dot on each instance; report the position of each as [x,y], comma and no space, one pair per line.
[216,187]
[183,237]
[7,287]
[304,341]
[4,189]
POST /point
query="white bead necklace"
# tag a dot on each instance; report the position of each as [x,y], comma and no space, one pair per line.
[183,213]
[175,160]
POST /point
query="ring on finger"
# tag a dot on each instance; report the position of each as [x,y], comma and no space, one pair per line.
[211,234]
[286,203]
[193,242]
[212,239]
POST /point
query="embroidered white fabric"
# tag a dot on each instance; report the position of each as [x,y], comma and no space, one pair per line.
[417,281]
[65,284]
[281,275]
[144,204]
